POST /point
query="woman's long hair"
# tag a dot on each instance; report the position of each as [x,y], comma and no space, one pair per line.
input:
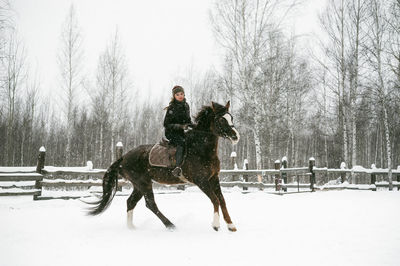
[170,102]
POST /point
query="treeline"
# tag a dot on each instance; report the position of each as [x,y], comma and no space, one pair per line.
[337,101]
[340,101]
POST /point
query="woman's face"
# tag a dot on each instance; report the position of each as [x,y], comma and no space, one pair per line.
[179,96]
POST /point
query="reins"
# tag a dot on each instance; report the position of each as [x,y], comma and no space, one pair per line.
[201,131]
[216,125]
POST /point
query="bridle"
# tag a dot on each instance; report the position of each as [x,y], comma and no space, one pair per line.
[218,126]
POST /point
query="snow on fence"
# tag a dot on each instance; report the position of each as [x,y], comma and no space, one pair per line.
[33,181]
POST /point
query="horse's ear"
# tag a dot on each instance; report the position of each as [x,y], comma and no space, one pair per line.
[214,106]
[228,104]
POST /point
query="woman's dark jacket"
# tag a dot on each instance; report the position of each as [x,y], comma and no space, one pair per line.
[178,114]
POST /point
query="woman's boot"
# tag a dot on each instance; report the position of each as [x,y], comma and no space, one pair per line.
[177,172]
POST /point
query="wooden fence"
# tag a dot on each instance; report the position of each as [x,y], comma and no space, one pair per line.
[19,180]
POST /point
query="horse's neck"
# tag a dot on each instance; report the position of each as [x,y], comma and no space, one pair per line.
[203,142]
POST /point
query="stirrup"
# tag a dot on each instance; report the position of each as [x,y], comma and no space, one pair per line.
[177,172]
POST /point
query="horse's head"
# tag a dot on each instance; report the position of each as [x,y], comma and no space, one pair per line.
[223,122]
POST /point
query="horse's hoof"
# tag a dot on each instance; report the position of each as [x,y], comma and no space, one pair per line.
[216,228]
[131,226]
[232,228]
[171,227]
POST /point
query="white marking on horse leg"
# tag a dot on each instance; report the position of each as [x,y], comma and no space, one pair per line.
[232,227]
[129,219]
[215,223]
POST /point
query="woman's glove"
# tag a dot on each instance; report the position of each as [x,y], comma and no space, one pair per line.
[187,126]
[176,126]
[184,126]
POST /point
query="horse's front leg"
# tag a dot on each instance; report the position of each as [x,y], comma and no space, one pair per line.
[217,190]
[207,189]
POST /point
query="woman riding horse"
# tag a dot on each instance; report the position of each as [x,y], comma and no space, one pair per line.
[177,119]
[201,167]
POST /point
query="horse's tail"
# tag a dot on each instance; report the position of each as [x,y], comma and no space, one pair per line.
[110,185]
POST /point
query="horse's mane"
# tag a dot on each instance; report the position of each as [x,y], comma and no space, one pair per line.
[203,114]
[207,110]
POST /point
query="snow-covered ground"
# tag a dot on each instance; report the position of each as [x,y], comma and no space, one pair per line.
[322,228]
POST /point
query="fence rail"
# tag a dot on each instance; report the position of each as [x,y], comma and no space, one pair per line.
[13,180]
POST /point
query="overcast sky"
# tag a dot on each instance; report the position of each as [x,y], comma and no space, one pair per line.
[161,39]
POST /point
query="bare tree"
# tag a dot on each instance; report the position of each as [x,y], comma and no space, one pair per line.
[333,21]
[113,93]
[375,48]
[13,67]
[245,29]
[393,22]
[6,24]
[356,13]
[70,63]
[30,105]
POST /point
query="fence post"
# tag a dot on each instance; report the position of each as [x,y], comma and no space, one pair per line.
[245,177]
[234,165]
[118,155]
[89,165]
[40,161]
[277,176]
[311,164]
[284,174]
[398,178]
[343,174]
[120,150]
[373,176]
[39,168]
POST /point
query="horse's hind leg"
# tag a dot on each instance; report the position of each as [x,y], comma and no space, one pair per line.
[131,203]
[151,204]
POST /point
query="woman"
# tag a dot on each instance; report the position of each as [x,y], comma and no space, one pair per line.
[177,119]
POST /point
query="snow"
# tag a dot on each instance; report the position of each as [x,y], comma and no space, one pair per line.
[19,174]
[18,190]
[322,228]
[284,158]
[358,168]
[233,154]
[89,165]
[16,183]
[119,144]
[25,169]
[343,165]
[42,149]
[84,169]
[312,159]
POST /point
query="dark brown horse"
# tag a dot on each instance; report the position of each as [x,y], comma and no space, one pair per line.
[201,167]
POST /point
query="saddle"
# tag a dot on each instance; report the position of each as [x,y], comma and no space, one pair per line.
[162,154]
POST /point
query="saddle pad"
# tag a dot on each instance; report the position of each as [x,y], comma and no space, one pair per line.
[162,156]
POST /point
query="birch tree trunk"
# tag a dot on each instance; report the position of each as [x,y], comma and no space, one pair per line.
[377,39]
